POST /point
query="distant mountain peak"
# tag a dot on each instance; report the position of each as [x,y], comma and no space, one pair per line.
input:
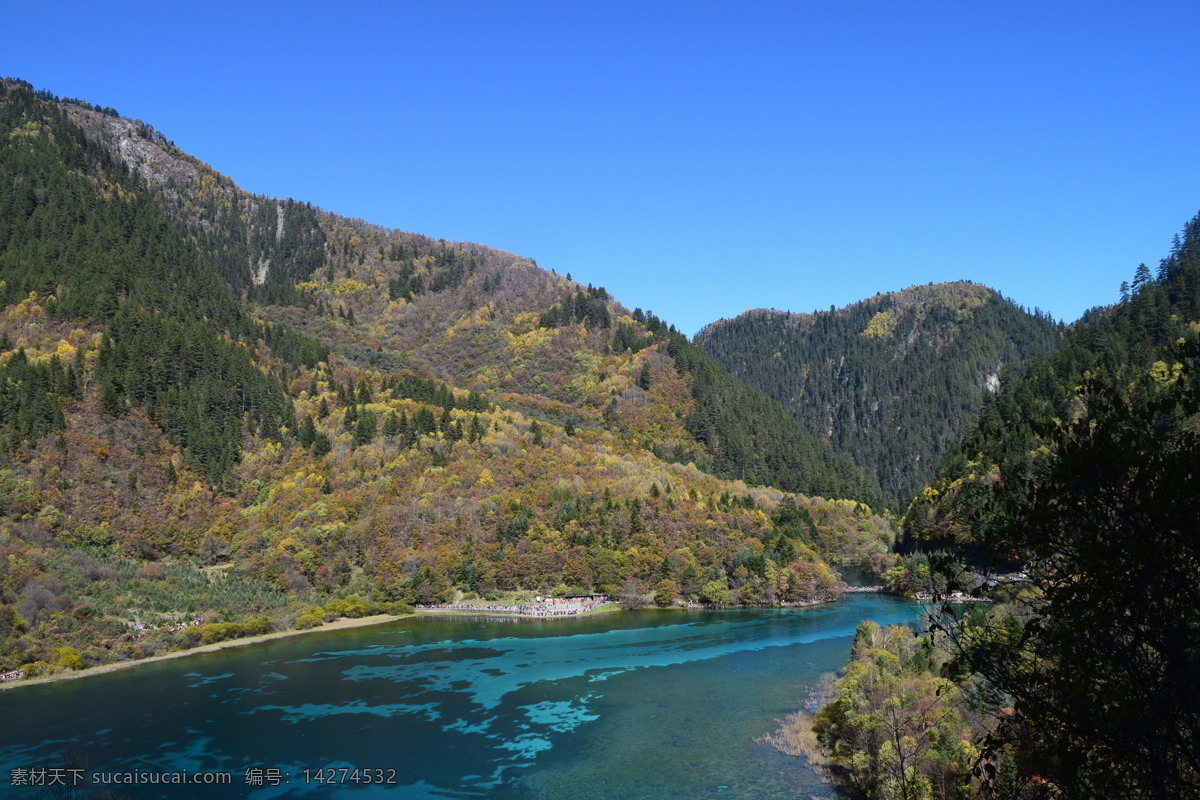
[889,380]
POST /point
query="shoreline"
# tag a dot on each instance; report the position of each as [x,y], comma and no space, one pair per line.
[338,624]
[102,669]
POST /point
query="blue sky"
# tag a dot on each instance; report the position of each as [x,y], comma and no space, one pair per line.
[694,158]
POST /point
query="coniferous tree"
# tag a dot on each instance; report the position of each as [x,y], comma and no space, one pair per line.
[307,432]
[110,399]
[364,429]
[424,422]
[391,425]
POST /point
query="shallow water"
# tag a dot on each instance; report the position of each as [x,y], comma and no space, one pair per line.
[652,705]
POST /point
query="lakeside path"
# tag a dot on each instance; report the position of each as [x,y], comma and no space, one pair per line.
[541,609]
[344,622]
[607,608]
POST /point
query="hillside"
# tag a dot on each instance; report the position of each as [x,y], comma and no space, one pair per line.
[1142,336]
[395,301]
[245,411]
[891,381]
[1080,475]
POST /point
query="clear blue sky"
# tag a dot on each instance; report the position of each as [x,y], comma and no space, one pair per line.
[695,158]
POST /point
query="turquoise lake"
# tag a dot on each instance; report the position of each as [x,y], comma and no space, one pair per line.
[651,705]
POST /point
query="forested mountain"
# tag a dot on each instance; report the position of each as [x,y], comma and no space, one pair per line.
[1143,335]
[891,381]
[1081,474]
[399,301]
[79,242]
[254,414]
[224,406]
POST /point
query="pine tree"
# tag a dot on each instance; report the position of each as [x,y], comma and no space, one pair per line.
[636,526]
[110,399]
[391,425]
[424,422]
[1141,278]
[364,429]
[307,432]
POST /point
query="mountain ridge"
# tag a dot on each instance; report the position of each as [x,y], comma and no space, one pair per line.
[1078,479]
[249,411]
[890,379]
[355,278]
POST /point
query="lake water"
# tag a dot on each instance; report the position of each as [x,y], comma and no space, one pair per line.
[652,705]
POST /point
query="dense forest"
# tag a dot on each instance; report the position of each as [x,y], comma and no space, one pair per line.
[891,381]
[252,414]
[76,244]
[1071,501]
[223,414]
